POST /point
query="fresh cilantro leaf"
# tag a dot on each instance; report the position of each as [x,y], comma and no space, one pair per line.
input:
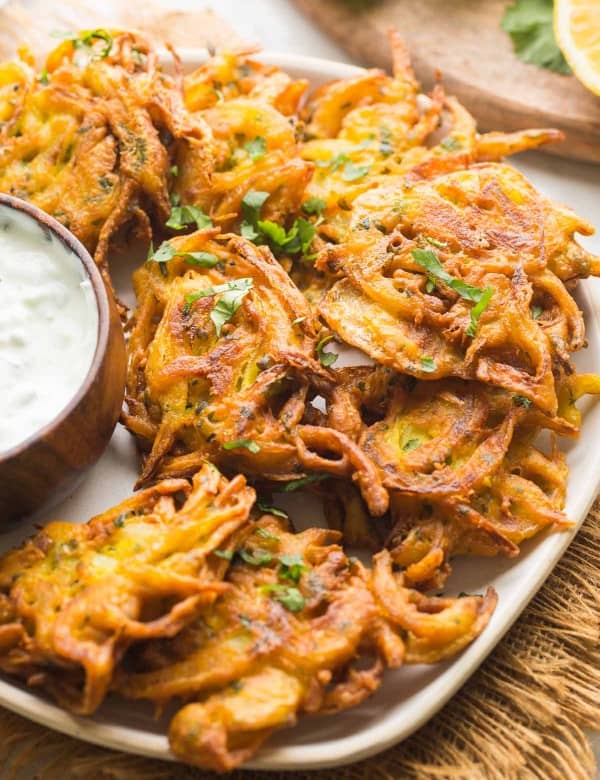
[521,400]
[269,510]
[429,285]
[296,484]
[237,444]
[204,259]
[183,216]
[536,312]
[478,309]
[326,358]
[272,232]
[428,365]
[290,597]
[252,203]
[225,554]
[314,206]
[232,294]
[430,262]
[531,28]
[256,148]
[174,170]
[291,567]
[256,557]
[166,252]
[354,172]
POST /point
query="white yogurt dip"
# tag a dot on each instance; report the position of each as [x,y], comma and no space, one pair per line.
[48,326]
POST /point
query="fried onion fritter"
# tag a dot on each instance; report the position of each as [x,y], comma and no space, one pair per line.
[234,393]
[289,637]
[88,140]
[74,597]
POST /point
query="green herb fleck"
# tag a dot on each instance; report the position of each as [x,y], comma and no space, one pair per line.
[292,567]
[256,557]
[326,358]
[451,144]
[296,484]
[521,400]
[411,444]
[428,365]
[232,294]
[248,444]
[167,252]
[270,510]
[478,310]
[290,597]
[354,172]
[314,206]
[536,312]
[227,555]
[183,216]
[256,148]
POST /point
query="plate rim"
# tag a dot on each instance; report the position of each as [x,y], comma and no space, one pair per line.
[343,750]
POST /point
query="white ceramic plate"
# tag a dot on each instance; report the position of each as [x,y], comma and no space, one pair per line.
[409,696]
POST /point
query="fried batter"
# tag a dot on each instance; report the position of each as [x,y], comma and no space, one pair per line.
[75,597]
[235,394]
[289,638]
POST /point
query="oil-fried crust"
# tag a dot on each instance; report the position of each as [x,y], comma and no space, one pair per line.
[76,596]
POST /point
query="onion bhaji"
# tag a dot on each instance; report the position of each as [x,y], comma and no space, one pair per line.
[289,637]
[74,597]
[364,212]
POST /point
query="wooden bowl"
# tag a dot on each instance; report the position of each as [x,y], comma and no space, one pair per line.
[48,464]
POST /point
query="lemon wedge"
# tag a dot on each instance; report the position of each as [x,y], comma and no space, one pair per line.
[577,31]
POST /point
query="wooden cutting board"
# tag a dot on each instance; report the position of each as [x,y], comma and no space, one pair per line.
[463,39]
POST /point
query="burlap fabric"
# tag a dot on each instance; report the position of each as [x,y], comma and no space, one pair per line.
[520,717]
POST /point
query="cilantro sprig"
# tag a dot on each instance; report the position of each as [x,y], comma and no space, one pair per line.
[247,444]
[231,296]
[167,251]
[435,270]
[290,597]
[296,240]
[184,216]
[531,28]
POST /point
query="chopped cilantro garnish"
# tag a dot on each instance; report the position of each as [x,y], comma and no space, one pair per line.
[166,252]
[232,294]
[183,216]
[248,444]
[225,554]
[411,444]
[174,170]
[256,557]
[478,310]
[428,365]
[521,400]
[430,262]
[290,597]
[256,148]
[291,567]
[269,510]
[326,358]
[536,312]
[296,484]
[314,206]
